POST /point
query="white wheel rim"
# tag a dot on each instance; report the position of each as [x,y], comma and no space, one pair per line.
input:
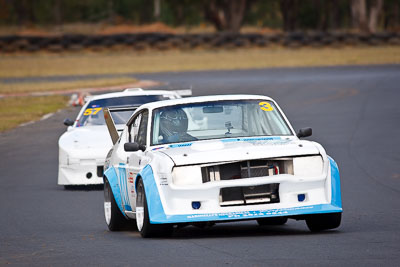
[107,211]
[107,202]
[139,217]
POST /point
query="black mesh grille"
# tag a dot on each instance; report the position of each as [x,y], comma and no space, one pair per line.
[244,169]
[249,195]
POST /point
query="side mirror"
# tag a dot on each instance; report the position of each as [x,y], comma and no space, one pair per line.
[304,132]
[68,122]
[132,147]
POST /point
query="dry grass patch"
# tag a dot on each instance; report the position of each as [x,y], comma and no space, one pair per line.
[14,88]
[122,62]
[17,110]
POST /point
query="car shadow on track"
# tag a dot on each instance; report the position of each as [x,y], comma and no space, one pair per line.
[96,187]
[244,230]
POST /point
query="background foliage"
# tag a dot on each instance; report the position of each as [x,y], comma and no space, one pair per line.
[225,15]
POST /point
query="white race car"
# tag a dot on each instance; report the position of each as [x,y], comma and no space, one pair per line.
[84,146]
[203,160]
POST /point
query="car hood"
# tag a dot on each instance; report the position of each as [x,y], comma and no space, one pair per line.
[86,142]
[201,152]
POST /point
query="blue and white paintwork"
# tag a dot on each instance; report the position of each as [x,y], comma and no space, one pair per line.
[169,202]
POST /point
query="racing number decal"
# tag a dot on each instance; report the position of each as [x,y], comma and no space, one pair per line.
[266,106]
[91,111]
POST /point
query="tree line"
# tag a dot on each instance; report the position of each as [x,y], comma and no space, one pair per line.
[366,16]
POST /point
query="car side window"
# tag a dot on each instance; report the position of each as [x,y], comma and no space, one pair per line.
[138,128]
[134,128]
[140,138]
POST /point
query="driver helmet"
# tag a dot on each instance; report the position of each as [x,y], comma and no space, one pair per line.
[173,121]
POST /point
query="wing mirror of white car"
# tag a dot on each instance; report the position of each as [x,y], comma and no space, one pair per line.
[68,122]
[132,147]
[304,132]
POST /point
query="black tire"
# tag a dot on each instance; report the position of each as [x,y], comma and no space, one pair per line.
[321,222]
[272,221]
[145,228]
[114,218]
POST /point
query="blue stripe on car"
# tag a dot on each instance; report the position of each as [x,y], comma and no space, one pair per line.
[335,181]
[247,139]
[124,186]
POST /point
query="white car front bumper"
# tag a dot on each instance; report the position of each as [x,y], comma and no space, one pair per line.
[86,172]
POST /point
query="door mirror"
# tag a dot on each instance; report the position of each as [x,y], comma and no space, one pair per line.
[68,122]
[132,147]
[304,132]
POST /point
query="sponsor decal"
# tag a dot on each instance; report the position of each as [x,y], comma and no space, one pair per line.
[277,143]
[180,145]
[131,181]
[163,181]
[250,139]
[256,213]
[130,177]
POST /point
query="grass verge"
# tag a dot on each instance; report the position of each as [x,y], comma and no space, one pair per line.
[14,88]
[17,110]
[14,111]
[122,62]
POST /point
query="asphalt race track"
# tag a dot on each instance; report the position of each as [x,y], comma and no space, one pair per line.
[354,113]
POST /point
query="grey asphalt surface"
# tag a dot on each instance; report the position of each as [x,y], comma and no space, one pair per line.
[354,113]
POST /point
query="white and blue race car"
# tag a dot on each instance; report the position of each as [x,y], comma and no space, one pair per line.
[84,146]
[204,160]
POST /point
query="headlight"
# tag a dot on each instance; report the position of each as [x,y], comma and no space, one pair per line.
[189,175]
[308,166]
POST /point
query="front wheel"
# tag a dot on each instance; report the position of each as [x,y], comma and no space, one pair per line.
[325,221]
[114,218]
[144,226]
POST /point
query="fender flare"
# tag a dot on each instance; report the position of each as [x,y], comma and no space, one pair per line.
[111,175]
[335,183]
[154,204]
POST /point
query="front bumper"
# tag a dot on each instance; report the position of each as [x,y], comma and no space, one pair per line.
[171,204]
[89,173]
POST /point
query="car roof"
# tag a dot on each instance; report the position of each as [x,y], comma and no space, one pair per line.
[137,92]
[200,99]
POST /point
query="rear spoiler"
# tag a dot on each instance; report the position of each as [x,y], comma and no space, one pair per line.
[110,121]
[183,92]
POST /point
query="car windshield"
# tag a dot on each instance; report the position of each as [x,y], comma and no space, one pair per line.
[93,114]
[218,119]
